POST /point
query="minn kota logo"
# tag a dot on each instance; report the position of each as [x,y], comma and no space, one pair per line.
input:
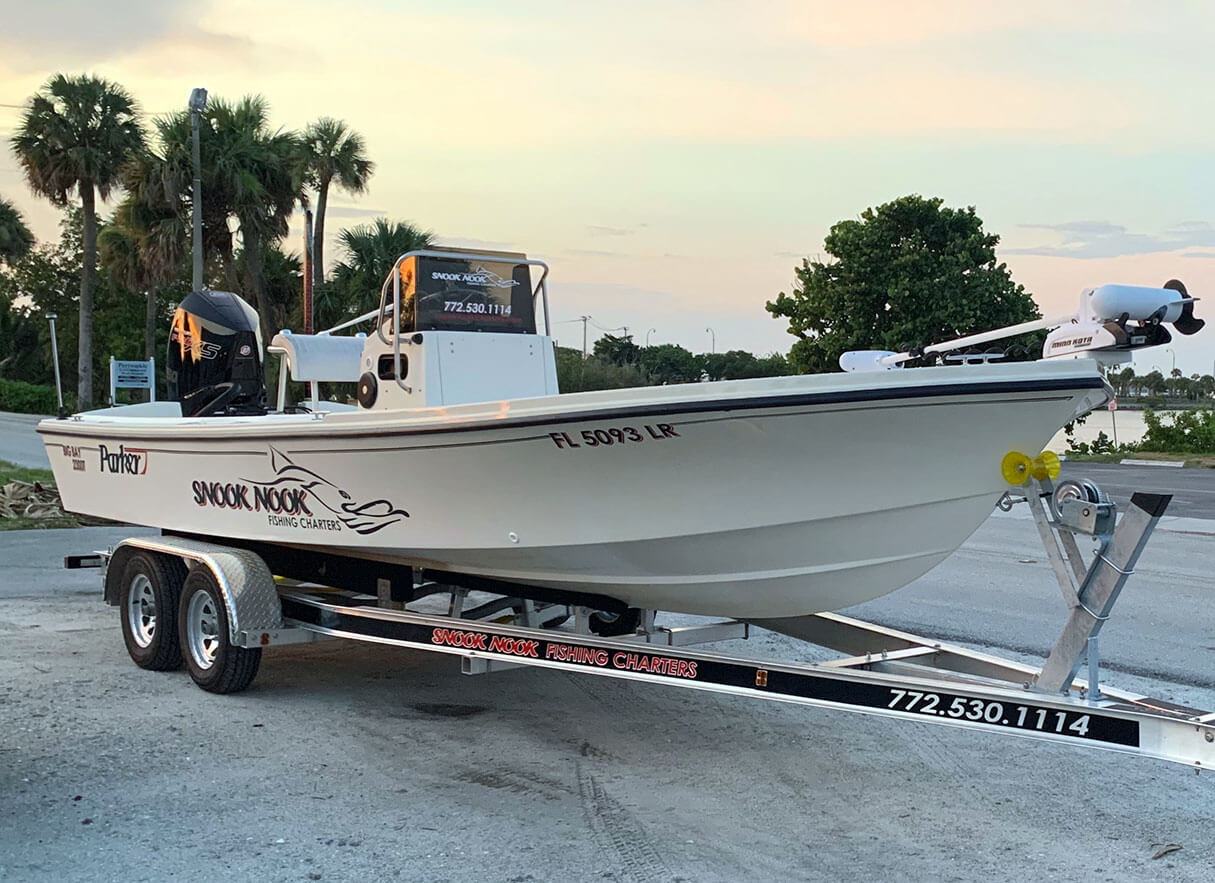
[362,518]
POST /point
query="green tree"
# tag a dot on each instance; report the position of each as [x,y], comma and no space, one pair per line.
[1154,382]
[370,250]
[47,280]
[576,374]
[907,273]
[333,154]
[15,238]
[75,135]
[669,363]
[44,281]
[143,252]
[283,277]
[252,177]
[616,350]
[740,365]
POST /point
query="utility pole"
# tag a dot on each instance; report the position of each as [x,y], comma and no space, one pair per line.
[307,271]
[198,102]
[584,319]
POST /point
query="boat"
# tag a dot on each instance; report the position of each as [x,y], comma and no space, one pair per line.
[753,499]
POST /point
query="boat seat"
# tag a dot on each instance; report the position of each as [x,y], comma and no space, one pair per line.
[320,357]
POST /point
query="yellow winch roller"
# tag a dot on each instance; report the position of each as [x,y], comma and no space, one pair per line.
[1045,465]
[1015,467]
[1018,468]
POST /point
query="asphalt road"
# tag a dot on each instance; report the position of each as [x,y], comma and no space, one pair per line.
[1193,490]
[348,761]
[19,443]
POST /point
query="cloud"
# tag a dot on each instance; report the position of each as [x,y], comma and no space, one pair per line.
[1102,239]
[593,253]
[53,33]
[469,242]
[599,230]
[353,211]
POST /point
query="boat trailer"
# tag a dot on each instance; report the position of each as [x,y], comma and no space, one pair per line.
[216,605]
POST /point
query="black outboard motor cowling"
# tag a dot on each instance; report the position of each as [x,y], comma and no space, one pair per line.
[214,361]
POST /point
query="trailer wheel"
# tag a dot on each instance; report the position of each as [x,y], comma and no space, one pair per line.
[609,625]
[214,663]
[151,586]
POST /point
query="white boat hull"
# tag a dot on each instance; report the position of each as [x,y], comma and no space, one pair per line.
[752,499]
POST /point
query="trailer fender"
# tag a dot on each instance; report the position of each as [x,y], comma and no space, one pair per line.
[250,596]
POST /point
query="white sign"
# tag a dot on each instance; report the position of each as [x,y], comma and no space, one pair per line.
[132,375]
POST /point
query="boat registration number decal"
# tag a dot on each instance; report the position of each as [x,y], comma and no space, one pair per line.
[613,435]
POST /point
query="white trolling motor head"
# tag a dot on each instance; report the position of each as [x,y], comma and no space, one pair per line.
[1113,320]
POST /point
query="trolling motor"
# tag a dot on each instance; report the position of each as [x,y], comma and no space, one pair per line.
[1112,321]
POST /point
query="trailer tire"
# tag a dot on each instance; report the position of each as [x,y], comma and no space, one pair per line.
[214,663]
[148,599]
[609,625]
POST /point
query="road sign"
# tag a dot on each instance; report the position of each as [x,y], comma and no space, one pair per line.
[132,375]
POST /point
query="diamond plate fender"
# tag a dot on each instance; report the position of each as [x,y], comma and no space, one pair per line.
[250,595]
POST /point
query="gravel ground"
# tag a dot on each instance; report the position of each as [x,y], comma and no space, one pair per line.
[348,761]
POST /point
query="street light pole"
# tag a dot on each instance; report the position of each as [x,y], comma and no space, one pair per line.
[647,335]
[713,340]
[198,102]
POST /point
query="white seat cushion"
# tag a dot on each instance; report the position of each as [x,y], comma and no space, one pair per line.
[321,356]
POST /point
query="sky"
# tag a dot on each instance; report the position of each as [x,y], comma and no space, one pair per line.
[674,161]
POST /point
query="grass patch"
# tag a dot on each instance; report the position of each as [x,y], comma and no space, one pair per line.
[1191,460]
[22,523]
[13,472]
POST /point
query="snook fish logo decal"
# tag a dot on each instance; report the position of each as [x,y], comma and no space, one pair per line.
[362,518]
[290,498]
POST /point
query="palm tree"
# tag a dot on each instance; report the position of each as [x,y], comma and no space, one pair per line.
[15,238]
[75,135]
[143,249]
[333,154]
[251,173]
[370,251]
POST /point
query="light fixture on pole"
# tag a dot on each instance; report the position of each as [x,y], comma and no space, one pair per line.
[647,335]
[712,339]
[198,103]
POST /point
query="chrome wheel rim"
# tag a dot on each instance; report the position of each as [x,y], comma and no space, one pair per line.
[141,610]
[202,629]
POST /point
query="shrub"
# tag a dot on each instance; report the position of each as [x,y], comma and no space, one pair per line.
[1183,432]
[27,398]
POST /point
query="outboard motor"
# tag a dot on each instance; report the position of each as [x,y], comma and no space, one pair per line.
[214,361]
